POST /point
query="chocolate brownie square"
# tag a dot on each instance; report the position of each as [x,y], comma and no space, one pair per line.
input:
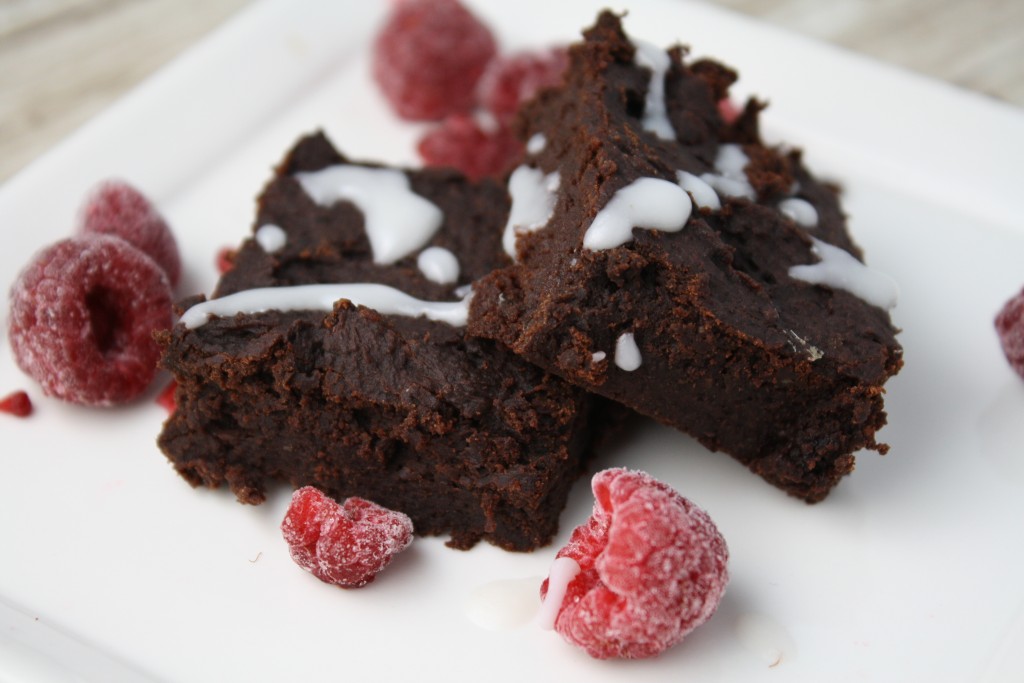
[334,354]
[668,259]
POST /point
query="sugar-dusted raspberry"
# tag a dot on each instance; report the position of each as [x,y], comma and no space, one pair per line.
[116,208]
[83,314]
[1010,326]
[652,568]
[16,403]
[345,544]
[429,56]
[461,142]
[510,81]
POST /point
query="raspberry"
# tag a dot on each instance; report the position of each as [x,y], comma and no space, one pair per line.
[1010,326]
[225,259]
[117,208]
[429,56]
[166,399]
[510,81]
[16,403]
[343,544]
[83,313]
[652,569]
[460,142]
[728,110]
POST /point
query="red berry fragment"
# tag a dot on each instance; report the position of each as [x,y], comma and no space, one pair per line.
[728,110]
[1010,326]
[16,403]
[460,142]
[83,313]
[166,399]
[117,208]
[345,544]
[652,569]
[429,56]
[510,81]
[225,259]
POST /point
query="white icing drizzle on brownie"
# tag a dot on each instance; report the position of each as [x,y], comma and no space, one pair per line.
[655,118]
[536,143]
[650,203]
[702,194]
[438,265]
[838,269]
[270,237]
[801,211]
[383,299]
[627,353]
[398,221]
[731,179]
[534,196]
[598,356]
[563,571]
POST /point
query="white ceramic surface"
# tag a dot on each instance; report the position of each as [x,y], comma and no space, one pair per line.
[112,568]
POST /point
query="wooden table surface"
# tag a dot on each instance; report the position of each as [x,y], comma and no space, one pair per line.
[63,61]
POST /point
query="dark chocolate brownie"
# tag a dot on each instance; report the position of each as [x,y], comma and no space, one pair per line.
[720,330]
[459,433]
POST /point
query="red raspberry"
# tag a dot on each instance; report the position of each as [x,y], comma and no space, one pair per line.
[166,399]
[728,110]
[117,208]
[460,142]
[343,544]
[429,56]
[510,81]
[83,313]
[225,259]
[652,569]
[16,403]
[1010,326]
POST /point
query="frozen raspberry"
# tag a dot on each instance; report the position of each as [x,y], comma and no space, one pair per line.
[461,142]
[652,569]
[117,208]
[1010,326]
[166,398]
[343,544]
[429,56]
[83,313]
[510,81]
[17,404]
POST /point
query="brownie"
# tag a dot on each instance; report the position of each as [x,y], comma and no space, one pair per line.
[716,310]
[457,432]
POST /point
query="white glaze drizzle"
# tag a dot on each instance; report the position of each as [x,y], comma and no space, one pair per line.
[398,221]
[801,211]
[536,143]
[270,237]
[563,571]
[598,356]
[650,203]
[731,179]
[627,353]
[703,195]
[838,269]
[438,265]
[534,196]
[383,299]
[655,118]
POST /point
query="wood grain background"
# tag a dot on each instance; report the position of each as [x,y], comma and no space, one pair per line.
[63,61]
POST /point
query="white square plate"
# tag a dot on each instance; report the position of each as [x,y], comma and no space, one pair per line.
[114,569]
